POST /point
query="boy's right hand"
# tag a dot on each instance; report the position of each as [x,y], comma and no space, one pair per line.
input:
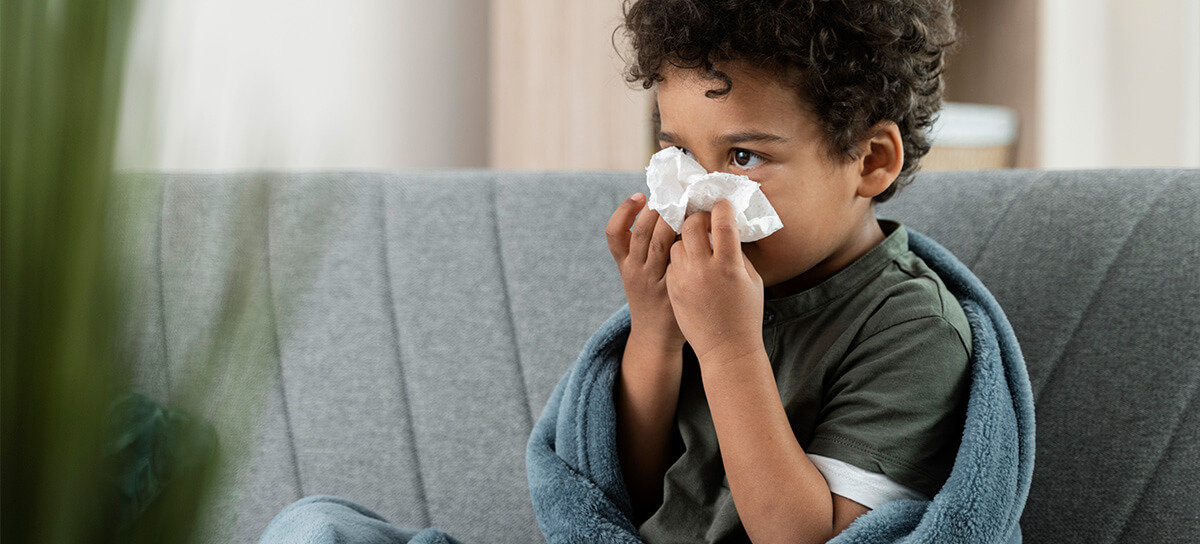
[642,257]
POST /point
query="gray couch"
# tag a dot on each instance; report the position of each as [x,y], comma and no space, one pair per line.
[416,323]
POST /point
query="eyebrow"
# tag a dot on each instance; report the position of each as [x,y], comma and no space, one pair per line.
[732,138]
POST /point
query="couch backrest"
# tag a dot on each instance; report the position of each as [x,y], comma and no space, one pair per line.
[416,323]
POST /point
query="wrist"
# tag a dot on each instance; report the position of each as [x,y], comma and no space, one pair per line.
[655,342]
[733,354]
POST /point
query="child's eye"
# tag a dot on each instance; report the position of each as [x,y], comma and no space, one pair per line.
[740,155]
[685,152]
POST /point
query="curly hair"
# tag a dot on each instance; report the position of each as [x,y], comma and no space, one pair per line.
[854,63]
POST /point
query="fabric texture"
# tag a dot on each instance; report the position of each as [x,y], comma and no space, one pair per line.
[870,489]
[872,368]
[579,494]
[328,519]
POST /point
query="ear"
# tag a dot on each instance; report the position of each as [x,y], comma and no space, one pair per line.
[882,160]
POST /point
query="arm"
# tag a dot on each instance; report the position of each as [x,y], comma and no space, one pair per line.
[845,511]
[779,494]
[645,397]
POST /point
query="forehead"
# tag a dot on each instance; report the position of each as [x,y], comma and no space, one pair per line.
[757,96]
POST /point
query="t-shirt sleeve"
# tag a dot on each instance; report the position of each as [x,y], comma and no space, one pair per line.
[896,404]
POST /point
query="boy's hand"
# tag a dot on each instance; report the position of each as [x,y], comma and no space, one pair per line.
[641,257]
[716,293]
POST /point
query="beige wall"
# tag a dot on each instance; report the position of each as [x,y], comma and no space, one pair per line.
[995,64]
[1148,114]
[558,99]
[300,85]
[537,84]
[1097,84]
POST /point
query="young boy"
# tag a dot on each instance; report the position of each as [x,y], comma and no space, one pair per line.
[777,390]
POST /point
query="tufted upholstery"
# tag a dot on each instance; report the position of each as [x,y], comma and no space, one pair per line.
[406,328]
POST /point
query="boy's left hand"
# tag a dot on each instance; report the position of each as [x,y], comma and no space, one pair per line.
[715,292]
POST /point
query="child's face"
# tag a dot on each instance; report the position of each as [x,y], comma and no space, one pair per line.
[821,202]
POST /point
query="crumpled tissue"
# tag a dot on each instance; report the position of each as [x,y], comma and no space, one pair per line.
[679,186]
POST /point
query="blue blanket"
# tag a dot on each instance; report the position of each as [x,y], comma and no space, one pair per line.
[579,493]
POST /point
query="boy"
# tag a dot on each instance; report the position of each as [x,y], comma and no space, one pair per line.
[777,390]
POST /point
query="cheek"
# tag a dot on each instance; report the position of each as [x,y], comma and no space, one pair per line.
[780,200]
[792,207]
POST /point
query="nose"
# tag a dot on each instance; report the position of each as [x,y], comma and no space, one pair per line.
[707,164]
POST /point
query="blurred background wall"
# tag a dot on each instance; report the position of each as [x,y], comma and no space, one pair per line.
[306,84]
[536,84]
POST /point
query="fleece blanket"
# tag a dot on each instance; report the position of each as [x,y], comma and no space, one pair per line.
[579,494]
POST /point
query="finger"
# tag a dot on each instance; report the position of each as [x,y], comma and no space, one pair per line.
[660,244]
[642,230]
[695,234]
[617,230]
[726,239]
[678,253]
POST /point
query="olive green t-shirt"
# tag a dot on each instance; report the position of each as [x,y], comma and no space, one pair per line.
[872,369]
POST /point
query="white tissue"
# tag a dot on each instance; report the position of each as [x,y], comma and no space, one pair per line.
[679,187]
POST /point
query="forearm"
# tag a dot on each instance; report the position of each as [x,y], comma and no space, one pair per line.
[779,494]
[645,397]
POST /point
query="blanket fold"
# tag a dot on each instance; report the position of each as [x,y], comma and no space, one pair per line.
[579,495]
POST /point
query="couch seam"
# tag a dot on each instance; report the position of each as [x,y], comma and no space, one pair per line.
[391,303]
[1000,218]
[512,322]
[282,389]
[1158,464]
[162,297]
[1056,361]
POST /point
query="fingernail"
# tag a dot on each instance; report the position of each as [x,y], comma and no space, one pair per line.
[637,197]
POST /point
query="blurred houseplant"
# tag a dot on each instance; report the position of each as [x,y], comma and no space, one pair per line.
[86,457]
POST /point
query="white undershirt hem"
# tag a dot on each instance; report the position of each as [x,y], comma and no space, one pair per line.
[870,489]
